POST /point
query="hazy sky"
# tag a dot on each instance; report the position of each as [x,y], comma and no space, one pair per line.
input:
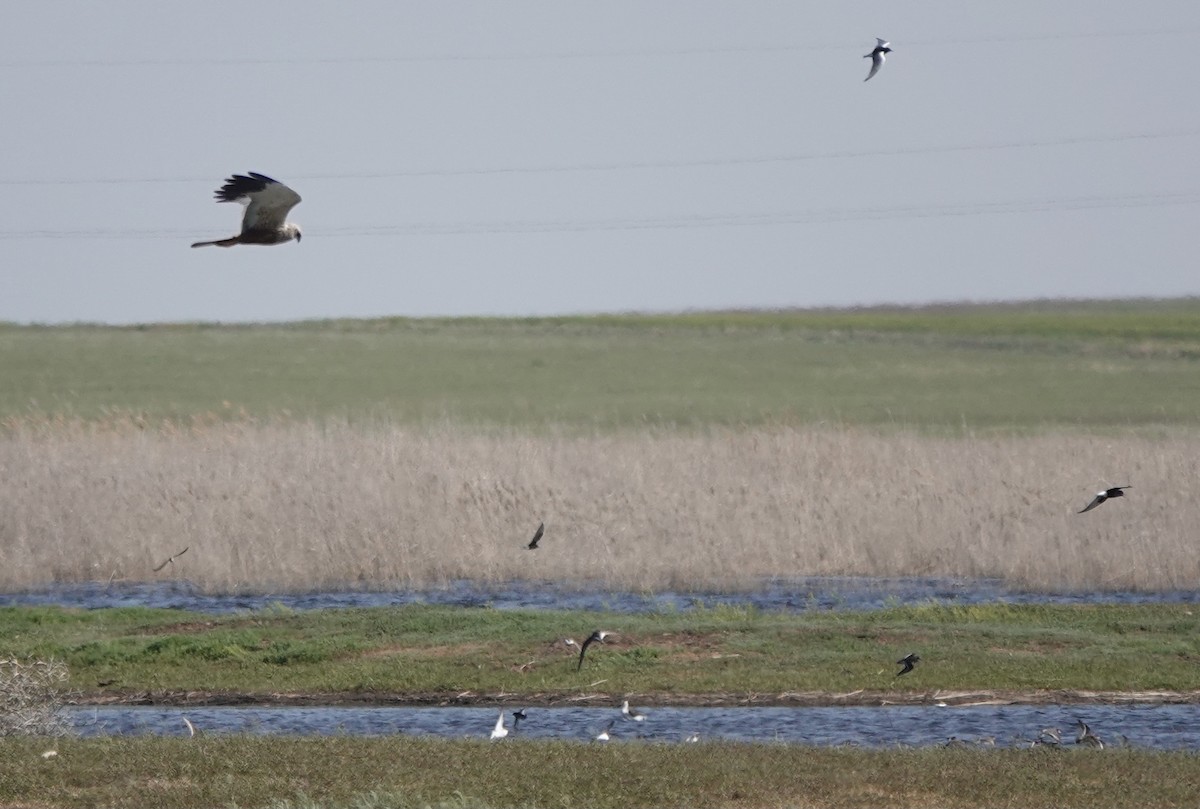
[557,157]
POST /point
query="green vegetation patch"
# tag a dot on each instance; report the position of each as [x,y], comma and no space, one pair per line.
[422,652]
[1027,366]
[397,772]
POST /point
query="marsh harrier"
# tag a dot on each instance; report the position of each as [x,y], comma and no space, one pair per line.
[267,204]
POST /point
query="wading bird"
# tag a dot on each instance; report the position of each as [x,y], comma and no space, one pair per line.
[597,636]
[908,661]
[1107,494]
[878,56]
[606,734]
[1084,735]
[517,717]
[499,732]
[632,713]
[171,559]
[537,537]
[267,204]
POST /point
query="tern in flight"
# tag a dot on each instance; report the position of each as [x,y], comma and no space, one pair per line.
[1115,491]
[171,559]
[878,56]
[499,732]
[599,635]
[537,537]
[908,661]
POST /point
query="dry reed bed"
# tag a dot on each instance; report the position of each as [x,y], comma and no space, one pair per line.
[271,506]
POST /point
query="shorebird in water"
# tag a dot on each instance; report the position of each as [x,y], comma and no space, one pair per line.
[606,734]
[1107,494]
[171,559]
[596,637]
[632,713]
[499,732]
[1084,735]
[878,56]
[908,661]
[537,537]
[517,717]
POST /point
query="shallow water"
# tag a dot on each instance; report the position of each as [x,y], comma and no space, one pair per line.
[794,595]
[1166,727]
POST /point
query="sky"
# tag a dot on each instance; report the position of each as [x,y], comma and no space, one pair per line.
[534,158]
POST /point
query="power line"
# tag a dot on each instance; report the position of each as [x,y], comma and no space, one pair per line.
[638,165]
[619,53]
[674,221]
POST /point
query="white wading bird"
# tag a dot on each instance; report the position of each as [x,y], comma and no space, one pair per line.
[267,204]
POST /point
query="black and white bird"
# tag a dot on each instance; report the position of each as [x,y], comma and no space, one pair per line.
[537,537]
[632,713]
[267,204]
[171,559]
[596,637]
[606,734]
[878,56]
[518,715]
[1107,494]
[499,732]
[908,661]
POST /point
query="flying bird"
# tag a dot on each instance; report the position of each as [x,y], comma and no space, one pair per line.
[267,204]
[171,559]
[877,56]
[537,537]
[632,713]
[517,717]
[499,732]
[908,661]
[598,635]
[1115,491]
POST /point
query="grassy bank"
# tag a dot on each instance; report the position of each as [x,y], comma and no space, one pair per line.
[1020,367]
[436,653]
[401,773]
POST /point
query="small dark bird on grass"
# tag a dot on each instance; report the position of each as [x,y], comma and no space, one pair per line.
[1115,491]
[908,661]
[537,537]
[171,559]
[878,56]
[597,636]
[517,717]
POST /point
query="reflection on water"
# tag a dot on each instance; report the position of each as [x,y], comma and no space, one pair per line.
[1168,727]
[797,595]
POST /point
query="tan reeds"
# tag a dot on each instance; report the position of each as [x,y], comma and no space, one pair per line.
[295,506]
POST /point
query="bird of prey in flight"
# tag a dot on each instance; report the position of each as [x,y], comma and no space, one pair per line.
[878,56]
[537,537]
[1115,491]
[267,204]
[598,635]
[908,661]
[171,559]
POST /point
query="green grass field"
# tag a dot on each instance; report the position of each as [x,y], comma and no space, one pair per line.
[1085,366]
[403,773]
[698,656]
